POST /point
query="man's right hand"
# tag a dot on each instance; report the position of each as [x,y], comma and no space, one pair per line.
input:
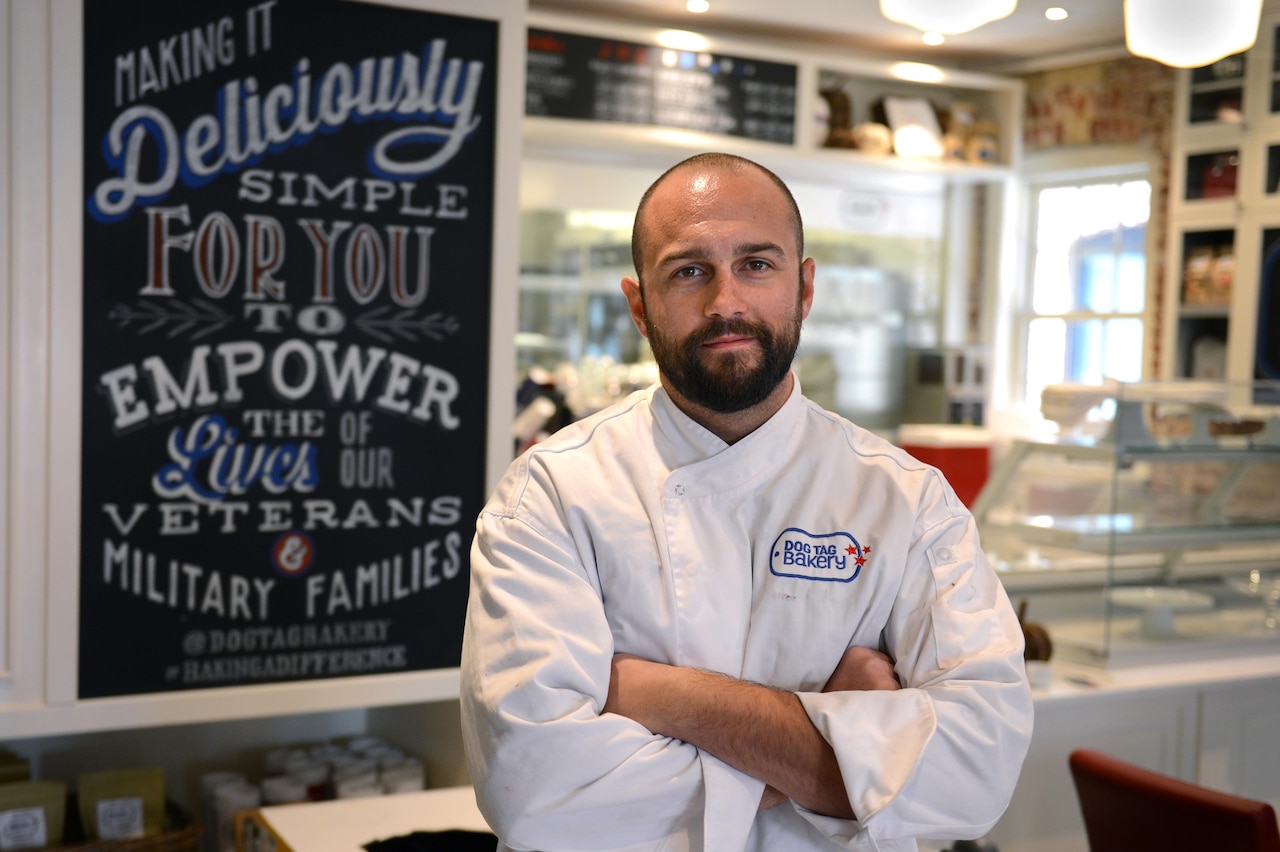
[862,669]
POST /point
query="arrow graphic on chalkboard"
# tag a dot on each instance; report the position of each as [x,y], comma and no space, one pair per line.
[179,316]
[405,325]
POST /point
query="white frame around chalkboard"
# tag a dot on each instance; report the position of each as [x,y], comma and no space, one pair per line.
[6,335]
[42,699]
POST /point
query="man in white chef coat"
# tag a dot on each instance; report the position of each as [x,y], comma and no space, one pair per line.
[716,616]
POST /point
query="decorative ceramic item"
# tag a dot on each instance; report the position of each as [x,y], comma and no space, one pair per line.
[955,146]
[874,138]
[840,119]
[1039,646]
[961,117]
[984,145]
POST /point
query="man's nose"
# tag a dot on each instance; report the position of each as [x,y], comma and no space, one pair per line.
[724,295]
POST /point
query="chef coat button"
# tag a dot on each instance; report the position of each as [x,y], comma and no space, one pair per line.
[679,490]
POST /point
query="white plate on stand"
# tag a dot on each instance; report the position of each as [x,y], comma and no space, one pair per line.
[1159,603]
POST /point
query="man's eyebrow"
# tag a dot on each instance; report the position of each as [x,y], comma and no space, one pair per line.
[760,248]
[682,254]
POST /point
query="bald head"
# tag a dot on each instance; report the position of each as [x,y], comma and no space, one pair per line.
[721,165]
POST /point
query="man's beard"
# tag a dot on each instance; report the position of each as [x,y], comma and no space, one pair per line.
[726,383]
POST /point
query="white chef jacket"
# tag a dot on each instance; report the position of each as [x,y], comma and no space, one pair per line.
[638,530]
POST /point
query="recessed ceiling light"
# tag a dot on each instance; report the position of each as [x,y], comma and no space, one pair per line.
[933,38]
[949,17]
[1053,13]
[683,40]
[697,7]
[918,72]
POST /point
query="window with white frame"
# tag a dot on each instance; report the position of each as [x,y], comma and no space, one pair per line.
[1082,313]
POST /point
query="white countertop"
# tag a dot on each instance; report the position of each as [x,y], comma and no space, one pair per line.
[346,825]
[1077,680]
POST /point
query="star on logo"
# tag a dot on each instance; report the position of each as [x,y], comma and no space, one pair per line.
[851,550]
[861,560]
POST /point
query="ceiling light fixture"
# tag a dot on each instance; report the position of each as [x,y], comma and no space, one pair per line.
[1190,33]
[1056,13]
[946,16]
[933,39]
[697,7]
[917,72]
[683,40]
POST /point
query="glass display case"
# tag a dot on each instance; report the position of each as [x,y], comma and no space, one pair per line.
[1149,529]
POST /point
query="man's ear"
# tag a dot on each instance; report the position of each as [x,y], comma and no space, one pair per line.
[807,271]
[631,289]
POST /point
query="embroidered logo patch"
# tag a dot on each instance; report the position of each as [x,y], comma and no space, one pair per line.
[834,557]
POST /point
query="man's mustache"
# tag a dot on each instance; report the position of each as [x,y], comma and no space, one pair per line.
[735,326]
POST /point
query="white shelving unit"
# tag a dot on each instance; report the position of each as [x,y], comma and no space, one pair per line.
[996,98]
[1225,198]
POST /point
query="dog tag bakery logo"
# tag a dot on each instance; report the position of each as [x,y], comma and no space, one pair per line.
[833,557]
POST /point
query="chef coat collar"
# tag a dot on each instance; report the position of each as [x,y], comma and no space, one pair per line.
[685,443]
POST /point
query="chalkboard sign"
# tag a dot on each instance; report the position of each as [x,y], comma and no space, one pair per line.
[597,79]
[288,225]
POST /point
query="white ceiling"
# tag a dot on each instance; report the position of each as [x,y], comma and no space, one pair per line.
[1024,37]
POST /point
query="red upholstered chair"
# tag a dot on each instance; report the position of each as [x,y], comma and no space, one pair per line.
[1129,809]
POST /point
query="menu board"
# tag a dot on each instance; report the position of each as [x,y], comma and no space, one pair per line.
[288,222]
[597,79]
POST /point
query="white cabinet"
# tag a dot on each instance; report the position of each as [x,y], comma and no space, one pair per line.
[1221,308]
[1209,723]
[1239,749]
[1157,733]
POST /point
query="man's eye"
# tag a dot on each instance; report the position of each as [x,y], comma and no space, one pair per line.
[757,265]
[687,271]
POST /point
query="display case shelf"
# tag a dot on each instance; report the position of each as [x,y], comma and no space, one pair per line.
[1122,533]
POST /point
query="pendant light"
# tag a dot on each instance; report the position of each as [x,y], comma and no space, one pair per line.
[1190,33]
[946,16]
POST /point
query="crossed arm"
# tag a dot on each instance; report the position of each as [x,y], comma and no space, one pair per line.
[757,729]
